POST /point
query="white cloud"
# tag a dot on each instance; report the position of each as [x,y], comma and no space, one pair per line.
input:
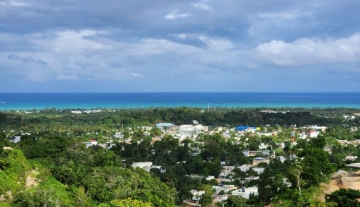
[137,75]
[182,36]
[203,6]
[71,41]
[67,77]
[219,44]
[293,14]
[14,3]
[175,15]
[310,51]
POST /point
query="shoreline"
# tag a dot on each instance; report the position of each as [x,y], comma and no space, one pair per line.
[275,108]
[28,101]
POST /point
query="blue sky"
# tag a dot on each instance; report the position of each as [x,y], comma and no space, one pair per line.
[179,46]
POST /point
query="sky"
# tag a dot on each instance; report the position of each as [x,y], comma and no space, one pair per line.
[179,46]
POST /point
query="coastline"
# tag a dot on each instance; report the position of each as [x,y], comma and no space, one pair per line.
[39,101]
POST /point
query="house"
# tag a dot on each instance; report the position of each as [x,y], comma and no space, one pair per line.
[210,177]
[353,129]
[248,153]
[258,160]
[350,158]
[302,135]
[245,168]
[246,128]
[282,159]
[118,135]
[141,164]
[189,130]
[258,170]
[147,166]
[245,192]
[90,143]
[227,170]
[224,188]
[313,133]
[164,125]
[16,139]
[263,146]
[196,194]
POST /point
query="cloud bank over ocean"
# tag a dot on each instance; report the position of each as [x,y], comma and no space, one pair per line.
[137,46]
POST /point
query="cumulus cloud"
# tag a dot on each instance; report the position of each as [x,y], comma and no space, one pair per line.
[175,15]
[14,3]
[307,51]
[137,75]
[71,41]
[217,43]
[115,43]
[203,6]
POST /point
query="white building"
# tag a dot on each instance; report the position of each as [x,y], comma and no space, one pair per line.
[196,194]
[210,177]
[258,170]
[245,167]
[227,170]
[313,134]
[245,192]
[91,143]
[189,130]
[224,188]
[141,164]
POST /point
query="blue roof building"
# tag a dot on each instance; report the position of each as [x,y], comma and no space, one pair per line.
[161,125]
[242,128]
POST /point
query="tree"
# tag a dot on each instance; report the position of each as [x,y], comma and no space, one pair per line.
[344,197]
[295,171]
[235,201]
[126,203]
[315,165]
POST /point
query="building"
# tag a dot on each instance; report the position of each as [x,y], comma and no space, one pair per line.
[258,170]
[245,192]
[90,143]
[245,168]
[224,188]
[189,130]
[246,128]
[196,194]
[248,153]
[258,160]
[164,125]
[227,170]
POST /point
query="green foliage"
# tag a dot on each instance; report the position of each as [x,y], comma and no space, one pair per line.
[206,198]
[236,201]
[316,166]
[344,197]
[108,183]
[49,193]
[126,203]
[14,167]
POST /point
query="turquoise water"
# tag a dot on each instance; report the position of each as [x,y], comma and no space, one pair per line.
[26,101]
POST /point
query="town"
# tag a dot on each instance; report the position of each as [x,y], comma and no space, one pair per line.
[255,165]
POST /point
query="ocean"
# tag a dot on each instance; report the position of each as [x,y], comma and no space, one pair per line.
[28,101]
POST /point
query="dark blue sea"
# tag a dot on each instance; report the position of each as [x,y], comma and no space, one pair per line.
[25,101]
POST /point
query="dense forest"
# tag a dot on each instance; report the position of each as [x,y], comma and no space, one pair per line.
[51,166]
